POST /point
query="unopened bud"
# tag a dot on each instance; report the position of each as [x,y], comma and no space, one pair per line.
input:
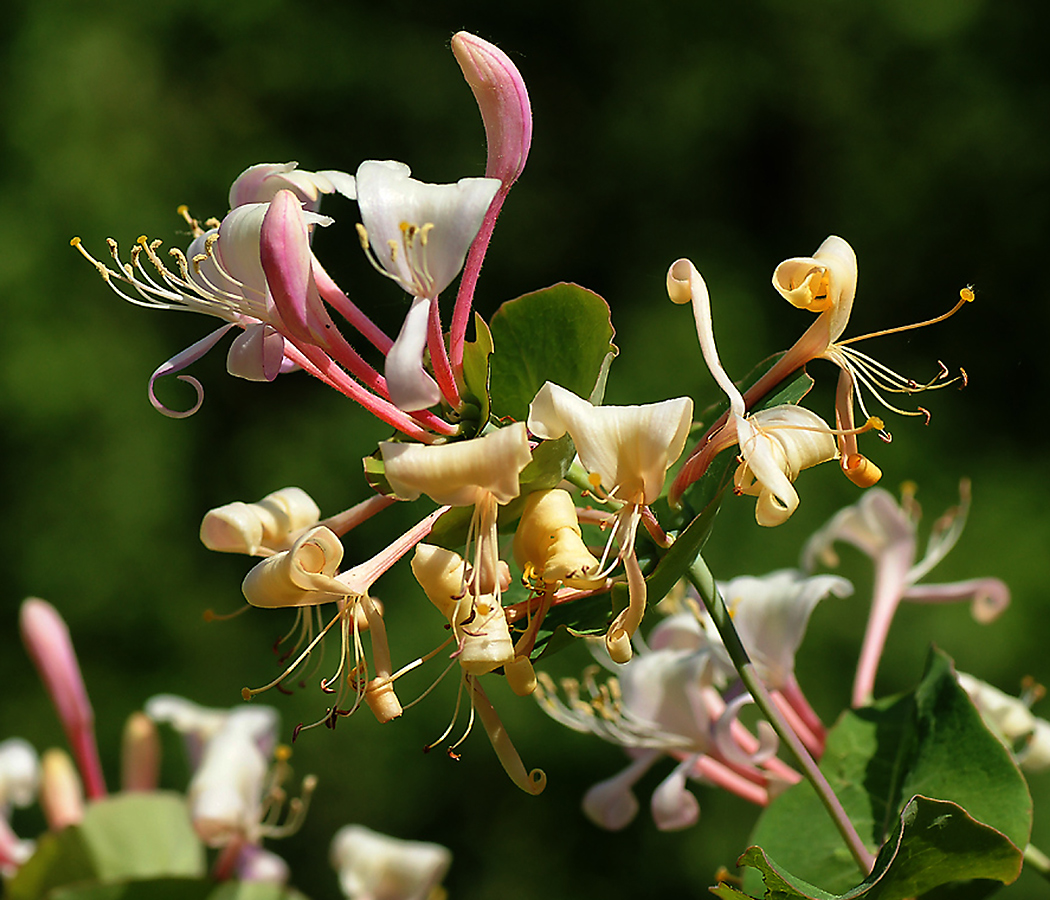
[140,754]
[61,793]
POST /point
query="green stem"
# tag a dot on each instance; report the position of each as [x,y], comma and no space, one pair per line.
[1038,860]
[704,582]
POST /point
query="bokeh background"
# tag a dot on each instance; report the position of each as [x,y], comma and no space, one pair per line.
[736,134]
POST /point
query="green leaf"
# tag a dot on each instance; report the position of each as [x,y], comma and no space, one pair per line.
[152,889]
[121,838]
[563,624]
[140,835]
[562,334]
[935,843]
[924,747]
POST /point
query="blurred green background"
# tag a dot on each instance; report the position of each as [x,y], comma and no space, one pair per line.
[736,134]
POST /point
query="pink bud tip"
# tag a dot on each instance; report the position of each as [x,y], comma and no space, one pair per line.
[504,103]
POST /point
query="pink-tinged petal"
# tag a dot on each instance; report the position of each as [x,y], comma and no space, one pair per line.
[249,186]
[611,804]
[257,354]
[672,806]
[178,362]
[410,387]
[47,641]
[256,864]
[988,596]
[503,101]
[284,249]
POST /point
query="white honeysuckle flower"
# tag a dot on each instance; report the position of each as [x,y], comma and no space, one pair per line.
[887,531]
[775,446]
[770,614]
[262,528]
[464,473]
[418,235]
[664,702]
[373,866]
[482,472]
[303,575]
[419,232]
[629,447]
[236,793]
[261,182]
[226,792]
[825,282]
[479,623]
[19,774]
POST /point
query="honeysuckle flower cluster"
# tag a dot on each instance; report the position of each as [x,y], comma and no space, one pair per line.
[547,514]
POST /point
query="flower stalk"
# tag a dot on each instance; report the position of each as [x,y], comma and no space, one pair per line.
[704,582]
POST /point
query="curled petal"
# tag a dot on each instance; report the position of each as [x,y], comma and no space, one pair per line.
[825,281]
[630,447]
[988,596]
[504,103]
[259,183]
[256,354]
[726,742]
[532,782]
[411,387]
[611,804]
[301,576]
[259,528]
[672,806]
[459,474]
[177,363]
[776,445]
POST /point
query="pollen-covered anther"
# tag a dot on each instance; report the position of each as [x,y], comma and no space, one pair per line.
[861,470]
[381,699]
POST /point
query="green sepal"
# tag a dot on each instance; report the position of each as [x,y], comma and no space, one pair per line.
[475,395]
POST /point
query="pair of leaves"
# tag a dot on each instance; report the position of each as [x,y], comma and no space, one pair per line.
[138,846]
[924,782]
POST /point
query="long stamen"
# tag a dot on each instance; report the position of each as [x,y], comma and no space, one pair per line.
[965,296]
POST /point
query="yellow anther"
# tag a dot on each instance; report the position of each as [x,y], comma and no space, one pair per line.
[74,242]
[182,209]
[875,423]
[966,294]
[282,753]
[595,480]
[861,470]
[362,236]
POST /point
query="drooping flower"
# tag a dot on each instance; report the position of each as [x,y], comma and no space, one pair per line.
[888,532]
[372,866]
[235,794]
[482,472]
[418,235]
[775,444]
[627,451]
[826,284]
[665,701]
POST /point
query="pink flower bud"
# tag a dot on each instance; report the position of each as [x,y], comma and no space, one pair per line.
[503,101]
[47,641]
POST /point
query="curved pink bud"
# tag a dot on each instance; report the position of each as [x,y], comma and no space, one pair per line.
[504,103]
[286,259]
[47,641]
[673,807]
